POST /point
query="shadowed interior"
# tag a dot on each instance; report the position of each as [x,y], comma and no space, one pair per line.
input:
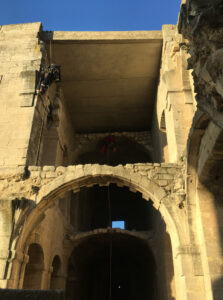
[131,267]
[90,208]
[124,151]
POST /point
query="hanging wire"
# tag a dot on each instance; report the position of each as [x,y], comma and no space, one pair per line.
[110,225]
[110,248]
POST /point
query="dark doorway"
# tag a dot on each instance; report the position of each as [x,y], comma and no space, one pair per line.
[127,274]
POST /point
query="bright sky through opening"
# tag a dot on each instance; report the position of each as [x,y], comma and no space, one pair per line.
[118,224]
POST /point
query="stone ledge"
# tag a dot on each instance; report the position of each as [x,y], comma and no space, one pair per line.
[20,183]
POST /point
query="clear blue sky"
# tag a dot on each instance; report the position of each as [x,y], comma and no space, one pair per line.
[91,14]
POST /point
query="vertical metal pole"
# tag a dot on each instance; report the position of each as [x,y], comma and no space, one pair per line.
[110,225]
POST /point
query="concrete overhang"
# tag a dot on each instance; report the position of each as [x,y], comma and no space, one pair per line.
[109,79]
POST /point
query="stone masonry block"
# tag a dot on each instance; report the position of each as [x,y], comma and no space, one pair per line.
[51,174]
[162,182]
[165,176]
[49,168]
[60,170]
[71,168]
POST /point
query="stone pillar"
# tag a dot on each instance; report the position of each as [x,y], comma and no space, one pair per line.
[4,254]
[189,279]
[210,214]
[45,283]
[175,96]
[20,60]
[6,227]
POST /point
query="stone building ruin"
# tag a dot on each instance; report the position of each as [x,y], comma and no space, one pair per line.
[130,132]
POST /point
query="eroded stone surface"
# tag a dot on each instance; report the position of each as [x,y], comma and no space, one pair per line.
[28,183]
[201,23]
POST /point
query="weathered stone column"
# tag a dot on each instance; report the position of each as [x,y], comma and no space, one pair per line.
[20,61]
[175,106]
[17,269]
[189,278]
[45,274]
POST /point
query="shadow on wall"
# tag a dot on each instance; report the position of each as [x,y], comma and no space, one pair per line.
[218,284]
[212,179]
[208,191]
[159,137]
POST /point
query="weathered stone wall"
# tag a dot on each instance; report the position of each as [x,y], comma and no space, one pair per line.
[24,110]
[19,182]
[52,246]
[39,188]
[175,102]
[20,58]
[56,143]
[208,142]
[201,23]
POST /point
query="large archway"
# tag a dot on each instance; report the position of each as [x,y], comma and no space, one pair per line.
[128,272]
[104,176]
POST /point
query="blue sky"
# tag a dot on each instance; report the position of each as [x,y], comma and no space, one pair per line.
[82,15]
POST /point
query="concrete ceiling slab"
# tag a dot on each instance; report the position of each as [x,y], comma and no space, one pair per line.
[109,80]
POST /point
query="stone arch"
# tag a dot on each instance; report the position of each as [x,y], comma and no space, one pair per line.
[84,176]
[79,176]
[79,238]
[139,142]
[34,268]
[55,273]
[81,249]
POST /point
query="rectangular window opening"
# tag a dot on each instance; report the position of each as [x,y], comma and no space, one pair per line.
[118,224]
